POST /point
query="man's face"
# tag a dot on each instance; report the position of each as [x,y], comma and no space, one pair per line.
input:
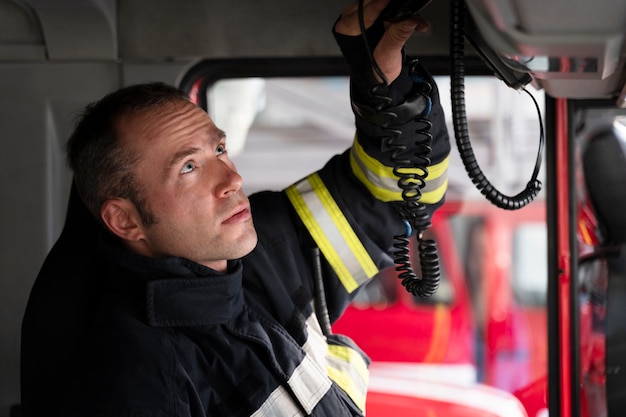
[190,185]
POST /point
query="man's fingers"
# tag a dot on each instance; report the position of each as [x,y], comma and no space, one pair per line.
[388,52]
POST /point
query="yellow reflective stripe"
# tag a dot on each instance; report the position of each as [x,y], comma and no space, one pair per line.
[332,232]
[340,221]
[383,183]
[348,369]
[308,218]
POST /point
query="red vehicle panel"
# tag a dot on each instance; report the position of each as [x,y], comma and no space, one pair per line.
[399,391]
[490,314]
[392,325]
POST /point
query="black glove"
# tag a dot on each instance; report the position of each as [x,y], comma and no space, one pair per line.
[379,108]
[362,79]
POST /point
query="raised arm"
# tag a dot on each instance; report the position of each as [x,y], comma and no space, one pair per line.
[397,166]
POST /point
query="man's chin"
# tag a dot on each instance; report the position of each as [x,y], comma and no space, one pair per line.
[248,244]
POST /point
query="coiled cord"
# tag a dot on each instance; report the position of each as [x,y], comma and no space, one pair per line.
[461,132]
[411,173]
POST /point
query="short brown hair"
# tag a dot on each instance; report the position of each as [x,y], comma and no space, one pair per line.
[102,167]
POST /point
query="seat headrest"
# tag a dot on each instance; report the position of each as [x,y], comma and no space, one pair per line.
[604,166]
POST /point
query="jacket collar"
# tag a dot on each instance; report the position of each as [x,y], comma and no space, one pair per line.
[180,292]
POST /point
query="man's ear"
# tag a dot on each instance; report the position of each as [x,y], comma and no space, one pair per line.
[122,219]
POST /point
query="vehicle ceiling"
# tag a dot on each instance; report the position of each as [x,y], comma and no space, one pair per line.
[171,30]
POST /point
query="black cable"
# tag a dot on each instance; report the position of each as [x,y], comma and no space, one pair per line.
[461,132]
[367,45]
[321,308]
[542,139]
[411,173]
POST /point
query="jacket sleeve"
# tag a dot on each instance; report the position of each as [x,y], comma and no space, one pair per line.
[351,207]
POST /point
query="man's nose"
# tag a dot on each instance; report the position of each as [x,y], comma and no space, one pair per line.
[229,179]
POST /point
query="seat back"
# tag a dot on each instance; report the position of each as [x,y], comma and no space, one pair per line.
[58,311]
[604,166]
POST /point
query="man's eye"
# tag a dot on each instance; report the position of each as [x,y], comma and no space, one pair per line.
[188,167]
[220,149]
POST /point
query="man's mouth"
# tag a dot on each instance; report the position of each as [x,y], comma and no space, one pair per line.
[239,215]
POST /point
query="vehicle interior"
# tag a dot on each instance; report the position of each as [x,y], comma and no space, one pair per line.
[535,100]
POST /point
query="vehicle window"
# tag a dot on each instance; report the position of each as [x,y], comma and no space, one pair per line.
[282,129]
[310,119]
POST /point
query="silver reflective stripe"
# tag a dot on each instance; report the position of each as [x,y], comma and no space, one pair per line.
[345,366]
[315,345]
[309,383]
[378,178]
[279,404]
[383,183]
[331,231]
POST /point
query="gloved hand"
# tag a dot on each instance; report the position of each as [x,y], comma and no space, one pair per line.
[386,39]
[404,116]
